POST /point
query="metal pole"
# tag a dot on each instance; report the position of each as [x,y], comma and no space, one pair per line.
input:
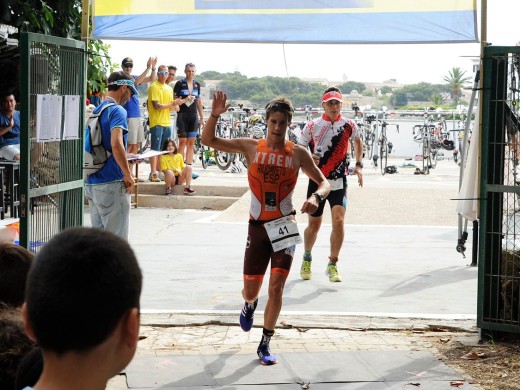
[85,17]
[85,27]
[483,44]
[474,249]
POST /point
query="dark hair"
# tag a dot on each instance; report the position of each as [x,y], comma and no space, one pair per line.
[115,76]
[81,284]
[14,345]
[331,89]
[167,141]
[279,104]
[15,262]
[5,94]
[29,369]
[170,67]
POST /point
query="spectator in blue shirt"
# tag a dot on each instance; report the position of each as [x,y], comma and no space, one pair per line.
[108,190]
[9,128]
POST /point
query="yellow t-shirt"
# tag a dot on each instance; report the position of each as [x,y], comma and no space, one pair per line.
[163,94]
[171,162]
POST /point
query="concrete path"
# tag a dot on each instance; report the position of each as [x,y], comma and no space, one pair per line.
[400,269]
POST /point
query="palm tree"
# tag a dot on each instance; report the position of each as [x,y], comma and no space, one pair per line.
[455,80]
[438,100]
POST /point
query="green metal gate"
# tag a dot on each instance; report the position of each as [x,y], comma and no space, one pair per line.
[52,111]
[499,252]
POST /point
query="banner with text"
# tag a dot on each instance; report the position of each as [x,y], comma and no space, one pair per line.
[289,21]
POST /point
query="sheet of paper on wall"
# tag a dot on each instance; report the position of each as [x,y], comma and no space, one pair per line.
[71,128]
[48,118]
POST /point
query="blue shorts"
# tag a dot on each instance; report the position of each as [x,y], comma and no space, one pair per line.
[159,134]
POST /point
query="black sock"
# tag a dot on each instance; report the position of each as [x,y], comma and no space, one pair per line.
[266,336]
[253,305]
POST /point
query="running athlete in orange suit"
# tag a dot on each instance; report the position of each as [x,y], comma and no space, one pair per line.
[273,165]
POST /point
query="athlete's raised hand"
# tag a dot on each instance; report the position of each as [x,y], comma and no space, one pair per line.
[219,105]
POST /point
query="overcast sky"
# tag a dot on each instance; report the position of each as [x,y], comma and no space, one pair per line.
[369,63]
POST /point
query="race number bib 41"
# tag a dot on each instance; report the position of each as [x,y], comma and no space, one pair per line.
[283,232]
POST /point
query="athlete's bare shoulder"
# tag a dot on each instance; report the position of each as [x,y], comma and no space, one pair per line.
[301,155]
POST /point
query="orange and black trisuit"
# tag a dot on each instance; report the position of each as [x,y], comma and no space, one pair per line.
[272,178]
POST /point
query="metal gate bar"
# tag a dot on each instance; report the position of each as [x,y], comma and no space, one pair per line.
[51,179]
[499,252]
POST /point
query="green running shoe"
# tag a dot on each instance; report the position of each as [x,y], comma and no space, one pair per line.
[332,273]
[305,270]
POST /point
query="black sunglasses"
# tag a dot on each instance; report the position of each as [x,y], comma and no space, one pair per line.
[280,105]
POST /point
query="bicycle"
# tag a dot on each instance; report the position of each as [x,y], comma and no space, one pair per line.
[223,129]
[371,130]
[425,134]
[202,151]
[360,123]
[147,142]
[385,147]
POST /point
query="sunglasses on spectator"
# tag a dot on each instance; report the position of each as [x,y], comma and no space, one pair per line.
[128,66]
[163,73]
[279,105]
[172,74]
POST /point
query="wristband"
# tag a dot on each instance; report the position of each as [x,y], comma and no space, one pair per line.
[359,164]
[153,69]
[215,116]
[319,197]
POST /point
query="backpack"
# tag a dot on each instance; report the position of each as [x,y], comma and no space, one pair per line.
[95,153]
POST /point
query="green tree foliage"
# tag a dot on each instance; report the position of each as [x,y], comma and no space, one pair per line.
[350,85]
[423,91]
[62,18]
[261,90]
[386,89]
[438,100]
[455,79]
[214,75]
[399,98]
[99,65]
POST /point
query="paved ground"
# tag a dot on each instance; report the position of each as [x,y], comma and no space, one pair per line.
[403,281]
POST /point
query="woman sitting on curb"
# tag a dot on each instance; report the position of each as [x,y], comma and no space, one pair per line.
[174,169]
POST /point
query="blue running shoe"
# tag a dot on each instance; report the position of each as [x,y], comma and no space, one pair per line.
[247,316]
[264,353]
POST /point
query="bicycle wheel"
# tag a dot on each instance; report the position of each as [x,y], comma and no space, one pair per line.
[243,160]
[145,145]
[433,158]
[426,156]
[204,155]
[369,144]
[383,155]
[197,147]
[224,159]
[374,136]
